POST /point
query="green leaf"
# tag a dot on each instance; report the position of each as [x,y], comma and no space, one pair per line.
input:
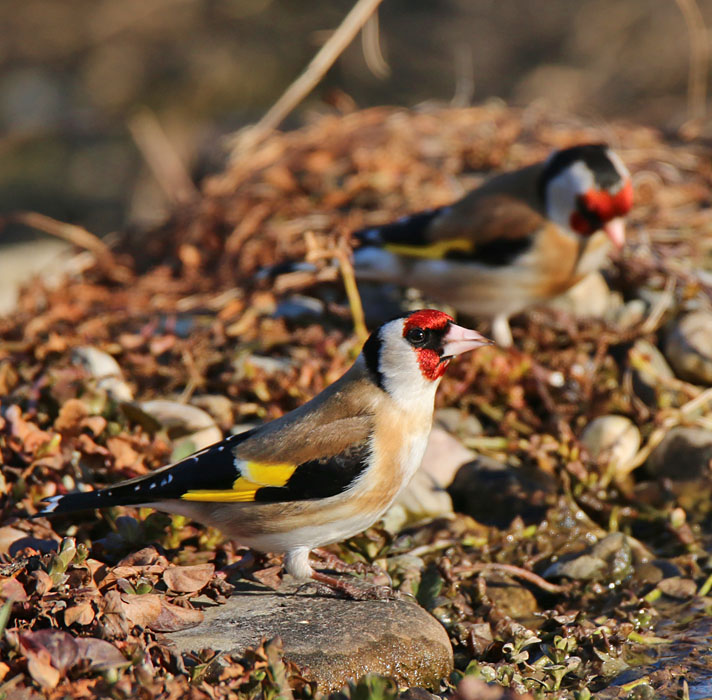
[5,616]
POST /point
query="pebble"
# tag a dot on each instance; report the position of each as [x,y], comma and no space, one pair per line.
[381,302]
[629,314]
[614,440]
[184,423]
[511,598]
[683,455]
[649,367]
[591,297]
[461,424]
[678,587]
[422,499]
[217,405]
[333,639]
[298,307]
[495,493]
[688,347]
[269,365]
[105,369]
[444,455]
[609,560]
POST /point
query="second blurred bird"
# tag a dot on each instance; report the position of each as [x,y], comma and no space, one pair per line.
[520,239]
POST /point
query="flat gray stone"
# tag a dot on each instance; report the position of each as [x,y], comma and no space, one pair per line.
[334,640]
[684,454]
[688,347]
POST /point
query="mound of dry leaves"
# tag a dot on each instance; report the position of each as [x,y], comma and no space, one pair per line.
[186,316]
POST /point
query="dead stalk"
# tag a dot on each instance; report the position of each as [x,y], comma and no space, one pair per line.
[517,572]
[162,158]
[347,274]
[310,77]
[71,233]
[699,52]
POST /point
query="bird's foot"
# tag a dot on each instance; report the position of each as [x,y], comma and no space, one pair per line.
[315,588]
[332,561]
[355,591]
[501,331]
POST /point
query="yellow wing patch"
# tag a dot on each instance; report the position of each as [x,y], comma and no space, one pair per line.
[267,474]
[244,488]
[435,250]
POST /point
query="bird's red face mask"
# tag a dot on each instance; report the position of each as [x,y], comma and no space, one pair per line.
[436,340]
[602,210]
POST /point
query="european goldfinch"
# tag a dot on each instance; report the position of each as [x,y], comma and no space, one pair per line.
[323,472]
[520,239]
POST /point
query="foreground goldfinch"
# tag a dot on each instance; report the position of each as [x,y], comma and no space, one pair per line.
[323,472]
[520,239]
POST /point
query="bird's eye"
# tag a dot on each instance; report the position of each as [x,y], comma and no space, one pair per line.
[415,336]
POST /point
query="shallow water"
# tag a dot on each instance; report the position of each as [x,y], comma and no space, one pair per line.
[685,657]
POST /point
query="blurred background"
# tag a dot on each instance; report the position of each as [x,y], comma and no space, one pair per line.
[77,76]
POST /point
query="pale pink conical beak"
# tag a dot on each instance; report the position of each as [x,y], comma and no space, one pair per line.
[458,340]
[615,230]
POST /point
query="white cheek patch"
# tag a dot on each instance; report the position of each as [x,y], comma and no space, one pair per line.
[398,363]
[619,165]
[561,192]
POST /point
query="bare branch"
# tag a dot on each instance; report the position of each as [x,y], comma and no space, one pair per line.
[310,77]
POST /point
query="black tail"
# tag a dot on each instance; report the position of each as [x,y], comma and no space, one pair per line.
[130,493]
[211,468]
[409,230]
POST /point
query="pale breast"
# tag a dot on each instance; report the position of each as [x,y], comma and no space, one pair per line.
[398,447]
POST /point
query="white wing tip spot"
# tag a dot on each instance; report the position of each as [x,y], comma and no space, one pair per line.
[51,504]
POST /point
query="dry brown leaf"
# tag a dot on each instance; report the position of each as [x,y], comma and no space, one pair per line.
[43,672]
[96,424]
[12,589]
[188,579]
[162,343]
[19,427]
[102,655]
[124,455]
[124,571]
[8,537]
[60,646]
[173,618]
[142,610]
[97,571]
[81,613]
[271,576]
[113,620]
[50,653]
[44,582]
[70,417]
[142,557]
[89,447]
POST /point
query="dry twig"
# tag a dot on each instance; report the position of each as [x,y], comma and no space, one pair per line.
[162,158]
[517,572]
[699,53]
[78,236]
[310,77]
[371,47]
